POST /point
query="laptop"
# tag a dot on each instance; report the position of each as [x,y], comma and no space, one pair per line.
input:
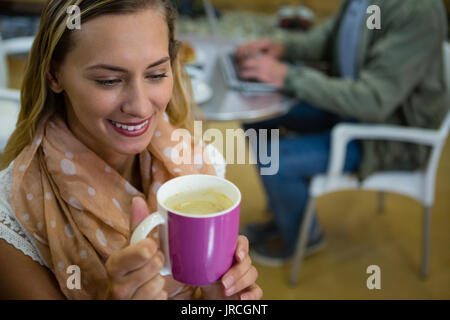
[229,63]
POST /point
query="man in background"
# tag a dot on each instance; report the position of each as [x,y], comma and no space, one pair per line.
[391,75]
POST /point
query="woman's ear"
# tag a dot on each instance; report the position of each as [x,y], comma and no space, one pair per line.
[54,83]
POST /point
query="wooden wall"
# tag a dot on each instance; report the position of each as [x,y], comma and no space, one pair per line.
[321,7]
[447,5]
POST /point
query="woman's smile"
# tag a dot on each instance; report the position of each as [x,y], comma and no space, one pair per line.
[131,129]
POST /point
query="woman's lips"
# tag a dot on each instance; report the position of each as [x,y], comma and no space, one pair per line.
[131,130]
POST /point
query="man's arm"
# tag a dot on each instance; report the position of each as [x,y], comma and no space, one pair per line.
[394,66]
[21,278]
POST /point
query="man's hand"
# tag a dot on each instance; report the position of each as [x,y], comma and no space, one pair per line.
[264,68]
[270,48]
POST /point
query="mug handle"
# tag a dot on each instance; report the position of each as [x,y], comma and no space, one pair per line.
[144,228]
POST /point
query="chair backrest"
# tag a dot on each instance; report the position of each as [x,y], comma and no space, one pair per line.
[446,48]
[4,74]
[445,126]
[446,123]
[443,134]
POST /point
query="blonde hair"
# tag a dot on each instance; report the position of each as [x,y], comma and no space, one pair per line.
[54,40]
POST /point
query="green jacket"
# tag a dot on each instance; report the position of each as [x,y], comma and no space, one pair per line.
[401,77]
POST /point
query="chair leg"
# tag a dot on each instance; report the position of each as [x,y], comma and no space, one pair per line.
[302,242]
[381,198]
[426,242]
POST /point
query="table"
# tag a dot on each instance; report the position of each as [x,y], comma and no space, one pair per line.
[231,105]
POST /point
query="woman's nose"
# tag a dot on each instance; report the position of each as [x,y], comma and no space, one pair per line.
[138,103]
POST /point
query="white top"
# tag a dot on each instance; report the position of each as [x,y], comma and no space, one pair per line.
[10,228]
[12,231]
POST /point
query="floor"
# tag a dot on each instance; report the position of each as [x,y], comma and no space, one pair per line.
[357,237]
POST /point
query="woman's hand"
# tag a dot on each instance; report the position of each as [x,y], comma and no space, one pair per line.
[134,271]
[239,281]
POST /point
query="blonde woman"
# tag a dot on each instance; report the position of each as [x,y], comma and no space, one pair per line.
[89,153]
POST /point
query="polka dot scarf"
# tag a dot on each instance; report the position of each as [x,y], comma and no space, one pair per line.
[77,208]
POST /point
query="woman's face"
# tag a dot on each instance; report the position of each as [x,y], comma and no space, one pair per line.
[118,74]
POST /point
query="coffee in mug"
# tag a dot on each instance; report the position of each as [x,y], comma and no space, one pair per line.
[199,202]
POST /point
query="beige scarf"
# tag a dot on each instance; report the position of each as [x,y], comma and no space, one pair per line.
[77,208]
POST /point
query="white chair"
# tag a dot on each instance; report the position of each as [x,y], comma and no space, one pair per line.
[10,47]
[418,185]
[9,112]
[9,98]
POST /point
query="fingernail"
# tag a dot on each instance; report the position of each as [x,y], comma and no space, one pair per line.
[244,297]
[229,291]
[145,253]
[160,261]
[241,255]
[227,282]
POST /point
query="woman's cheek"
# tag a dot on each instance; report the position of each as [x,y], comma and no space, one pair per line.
[165,95]
[98,103]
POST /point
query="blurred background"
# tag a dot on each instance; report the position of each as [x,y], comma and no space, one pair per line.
[357,236]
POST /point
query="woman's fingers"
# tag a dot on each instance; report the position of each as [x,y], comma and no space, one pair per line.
[153,289]
[243,276]
[242,248]
[128,285]
[254,292]
[139,211]
[130,258]
[134,280]
[163,295]
[134,271]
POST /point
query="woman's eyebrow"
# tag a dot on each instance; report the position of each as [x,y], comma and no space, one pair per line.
[118,69]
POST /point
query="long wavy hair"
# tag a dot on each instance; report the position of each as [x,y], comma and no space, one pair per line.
[52,43]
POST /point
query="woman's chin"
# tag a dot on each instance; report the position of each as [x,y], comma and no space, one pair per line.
[131,149]
[134,151]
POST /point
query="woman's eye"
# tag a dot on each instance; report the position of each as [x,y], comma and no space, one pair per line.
[108,83]
[157,77]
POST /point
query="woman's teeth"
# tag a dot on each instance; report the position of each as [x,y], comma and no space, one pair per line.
[130,128]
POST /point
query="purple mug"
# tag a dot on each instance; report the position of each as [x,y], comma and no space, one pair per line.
[198,249]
